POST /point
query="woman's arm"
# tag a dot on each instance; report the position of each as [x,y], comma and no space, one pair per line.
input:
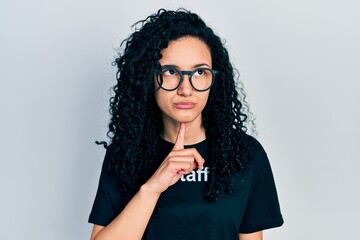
[251,236]
[131,223]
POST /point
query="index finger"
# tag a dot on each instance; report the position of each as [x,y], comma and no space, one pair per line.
[179,143]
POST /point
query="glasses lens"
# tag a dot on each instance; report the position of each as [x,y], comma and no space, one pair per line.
[170,79]
[201,79]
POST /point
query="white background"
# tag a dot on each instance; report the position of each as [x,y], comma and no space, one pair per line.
[299,61]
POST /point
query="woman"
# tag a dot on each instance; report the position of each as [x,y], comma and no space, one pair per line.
[180,165]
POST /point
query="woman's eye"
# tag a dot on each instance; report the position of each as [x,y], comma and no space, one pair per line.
[199,72]
[169,72]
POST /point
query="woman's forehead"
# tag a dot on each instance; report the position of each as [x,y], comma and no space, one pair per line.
[188,51]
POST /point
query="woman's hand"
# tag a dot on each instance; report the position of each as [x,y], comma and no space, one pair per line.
[133,219]
[178,162]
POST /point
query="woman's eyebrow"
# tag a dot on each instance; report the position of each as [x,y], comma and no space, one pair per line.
[177,67]
[169,66]
[201,64]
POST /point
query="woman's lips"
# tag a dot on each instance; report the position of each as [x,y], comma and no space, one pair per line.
[184,105]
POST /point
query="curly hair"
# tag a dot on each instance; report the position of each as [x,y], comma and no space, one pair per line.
[136,119]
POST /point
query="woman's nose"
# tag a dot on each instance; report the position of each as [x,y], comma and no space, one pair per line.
[185,87]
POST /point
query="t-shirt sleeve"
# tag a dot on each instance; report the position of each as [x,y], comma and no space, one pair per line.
[107,204]
[262,209]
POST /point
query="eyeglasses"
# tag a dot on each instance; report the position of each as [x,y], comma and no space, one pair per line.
[201,79]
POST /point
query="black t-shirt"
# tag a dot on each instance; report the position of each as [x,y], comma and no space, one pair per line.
[183,213]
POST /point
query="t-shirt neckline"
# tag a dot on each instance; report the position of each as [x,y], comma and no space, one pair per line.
[185,146]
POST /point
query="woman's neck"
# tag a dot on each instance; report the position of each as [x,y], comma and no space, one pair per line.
[194,132]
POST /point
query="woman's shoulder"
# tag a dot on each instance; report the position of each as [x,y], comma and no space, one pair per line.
[256,149]
[253,142]
[112,153]
[112,150]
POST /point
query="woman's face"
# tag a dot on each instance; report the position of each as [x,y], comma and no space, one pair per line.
[184,104]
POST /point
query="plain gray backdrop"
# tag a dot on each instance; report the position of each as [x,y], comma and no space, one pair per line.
[299,62]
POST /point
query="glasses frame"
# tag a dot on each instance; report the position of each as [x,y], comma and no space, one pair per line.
[181,74]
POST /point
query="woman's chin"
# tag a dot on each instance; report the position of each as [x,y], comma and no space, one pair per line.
[182,117]
[187,119]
